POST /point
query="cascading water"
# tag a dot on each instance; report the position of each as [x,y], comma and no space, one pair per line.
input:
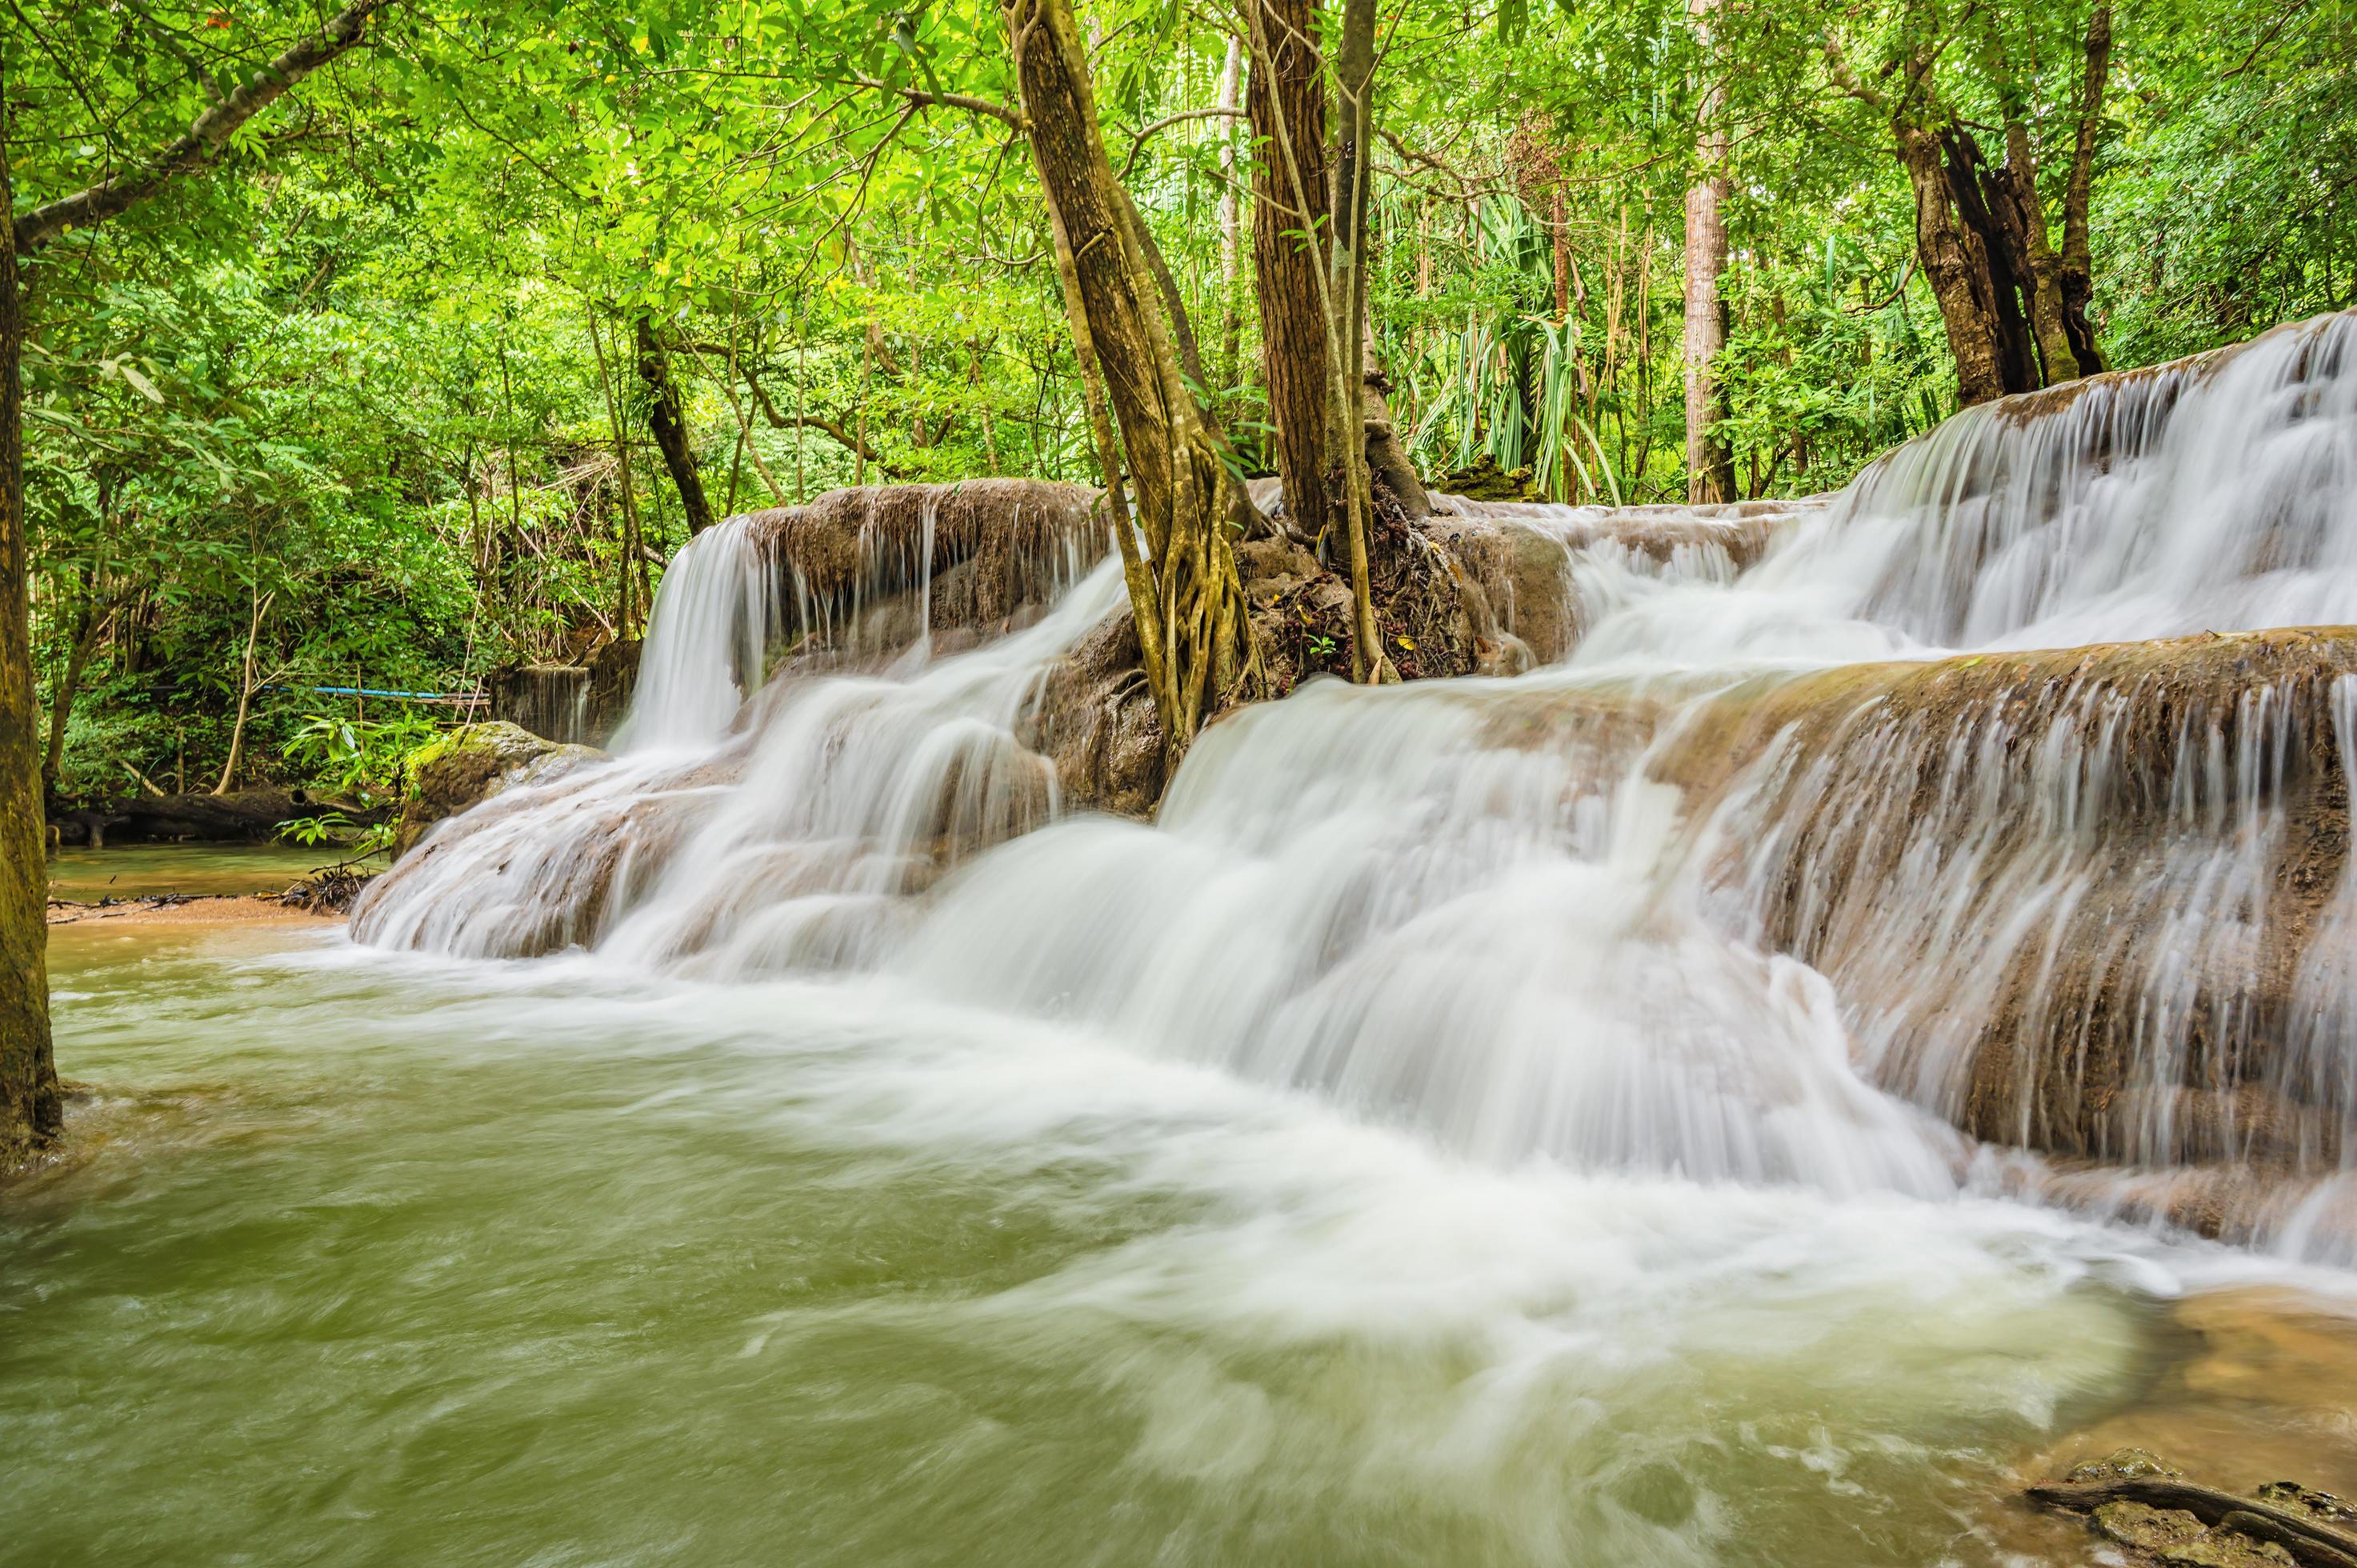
[706,641]
[1755,886]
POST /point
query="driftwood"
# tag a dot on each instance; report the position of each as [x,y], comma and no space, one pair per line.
[2300,1530]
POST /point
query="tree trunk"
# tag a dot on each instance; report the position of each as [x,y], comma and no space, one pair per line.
[1972,264]
[31,1111]
[2022,215]
[1232,76]
[627,483]
[2076,271]
[1345,300]
[1177,559]
[1284,105]
[245,687]
[667,418]
[1956,264]
[89,627]
[1998,249]
[1710,466]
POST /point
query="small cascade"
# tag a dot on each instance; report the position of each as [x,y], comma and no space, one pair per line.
[707,641]
[552,701]
[1796,861]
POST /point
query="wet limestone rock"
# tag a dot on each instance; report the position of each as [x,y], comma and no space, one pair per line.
[1877,815]
[474,763]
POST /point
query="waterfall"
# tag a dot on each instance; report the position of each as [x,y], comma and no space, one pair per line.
[706,641]
[1800,862]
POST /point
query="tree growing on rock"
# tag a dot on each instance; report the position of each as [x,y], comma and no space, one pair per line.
[1171,462]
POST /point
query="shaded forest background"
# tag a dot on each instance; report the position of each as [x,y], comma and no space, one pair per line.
[384,401]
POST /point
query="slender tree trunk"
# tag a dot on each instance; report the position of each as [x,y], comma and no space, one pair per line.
[2076,271]
[1284,104]
[89,627]
[802,406]
[1346,307]
[1710,468]
[1232,76]
[867,346]
[1562,226]
[261,603]
[31,1111]
[1178,558]
[627,482]
[667,419]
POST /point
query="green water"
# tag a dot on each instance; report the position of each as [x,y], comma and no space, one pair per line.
[386,1261]
[139,871]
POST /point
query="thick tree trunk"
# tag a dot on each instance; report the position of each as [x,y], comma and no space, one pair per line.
[1954,262]
[1178,560]
[2021,216]
[667,418]
[1710,466]
[1284,104]
[1969,230]
[1998,247]
[30,1110]
[2076,268]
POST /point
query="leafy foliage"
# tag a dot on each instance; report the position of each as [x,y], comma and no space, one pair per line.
[368,388]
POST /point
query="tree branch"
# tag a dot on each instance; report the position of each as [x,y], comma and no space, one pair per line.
[204,138]
[918,98]
[1138,143]
[820,423]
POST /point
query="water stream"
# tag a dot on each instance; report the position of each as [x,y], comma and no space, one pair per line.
[1539,1120]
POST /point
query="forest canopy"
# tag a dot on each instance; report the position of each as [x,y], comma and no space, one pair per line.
[428,366]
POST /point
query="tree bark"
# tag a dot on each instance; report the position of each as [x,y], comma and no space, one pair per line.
[1710,466]
[1954,263]
[1346,307]
[667,418]
[1178,560]
[1284,104]
[1231,79]
[31,1111]
[1997,249]
[2076,270]
[1964,257]
[89,627]
[2034,261]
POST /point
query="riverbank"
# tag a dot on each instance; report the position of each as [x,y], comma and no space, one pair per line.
[186,909]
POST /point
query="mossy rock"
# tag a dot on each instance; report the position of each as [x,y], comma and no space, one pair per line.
[471,764]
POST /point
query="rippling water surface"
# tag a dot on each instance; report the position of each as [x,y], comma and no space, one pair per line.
[388,1259]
